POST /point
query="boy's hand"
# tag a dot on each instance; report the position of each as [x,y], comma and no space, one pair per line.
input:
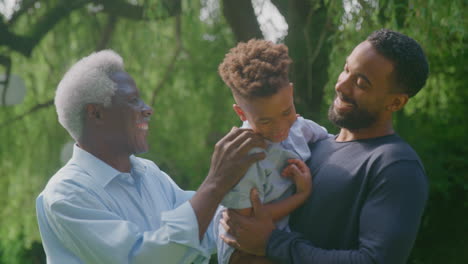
[299,173]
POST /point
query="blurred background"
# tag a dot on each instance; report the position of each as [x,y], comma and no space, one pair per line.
[172,48]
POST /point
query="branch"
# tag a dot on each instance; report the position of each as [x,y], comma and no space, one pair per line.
[165,9]
[242,19]
[107,33]
[25,43]
[32,110]
[25,5]
[313,57]
[122,9]
[6,62]
[282,6]
[381,13]
[171,65]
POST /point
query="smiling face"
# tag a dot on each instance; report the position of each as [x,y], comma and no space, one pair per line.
[271,116]
[363,89]
[126,121]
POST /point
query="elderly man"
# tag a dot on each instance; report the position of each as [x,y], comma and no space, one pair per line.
[108,206]
[370,187]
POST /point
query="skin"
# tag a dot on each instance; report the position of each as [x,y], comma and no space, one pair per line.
[271,116]
[114,133]
[366,83]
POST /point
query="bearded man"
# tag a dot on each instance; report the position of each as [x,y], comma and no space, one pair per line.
[370,187]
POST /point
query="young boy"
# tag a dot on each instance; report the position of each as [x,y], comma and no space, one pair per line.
[257,73]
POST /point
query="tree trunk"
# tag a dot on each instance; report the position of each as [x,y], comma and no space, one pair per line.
[241,17]
[307,40]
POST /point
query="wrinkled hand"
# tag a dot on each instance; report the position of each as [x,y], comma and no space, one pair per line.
[299,173]
[249,233]
[231,157]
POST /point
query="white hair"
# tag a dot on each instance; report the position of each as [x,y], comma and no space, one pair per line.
[86,82]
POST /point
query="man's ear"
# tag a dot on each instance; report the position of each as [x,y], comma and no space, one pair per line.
[240,113]
[94,112]
[398,102]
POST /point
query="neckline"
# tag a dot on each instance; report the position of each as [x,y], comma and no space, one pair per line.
[364,139]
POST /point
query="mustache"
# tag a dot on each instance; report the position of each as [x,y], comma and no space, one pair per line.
[346,99]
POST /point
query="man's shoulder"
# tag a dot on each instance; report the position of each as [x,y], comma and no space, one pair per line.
[146,163]
[305,123]
[307,129]
[378,151]
[152,172]
[392,150]
[395,147]
[67,183]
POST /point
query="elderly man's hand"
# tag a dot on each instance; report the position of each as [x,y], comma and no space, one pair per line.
[231,158]
[229,162]
[250,233]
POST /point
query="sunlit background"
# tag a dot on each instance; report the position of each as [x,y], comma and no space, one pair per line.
[172,48]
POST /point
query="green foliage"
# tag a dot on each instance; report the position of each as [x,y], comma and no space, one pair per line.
[192,107]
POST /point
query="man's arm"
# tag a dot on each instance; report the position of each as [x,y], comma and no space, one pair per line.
[389,222]
[85,225]
[229,163]
[92,233]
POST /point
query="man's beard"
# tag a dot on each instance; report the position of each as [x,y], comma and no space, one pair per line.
[355,119]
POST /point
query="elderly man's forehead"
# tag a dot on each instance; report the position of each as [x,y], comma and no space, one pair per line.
[121,77]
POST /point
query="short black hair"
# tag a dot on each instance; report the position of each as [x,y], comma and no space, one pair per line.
[411,66]
[258,68]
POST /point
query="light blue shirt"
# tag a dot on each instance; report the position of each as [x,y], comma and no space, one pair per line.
[265,175]
[91,213]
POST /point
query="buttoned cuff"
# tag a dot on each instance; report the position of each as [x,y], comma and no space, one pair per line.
[182,227]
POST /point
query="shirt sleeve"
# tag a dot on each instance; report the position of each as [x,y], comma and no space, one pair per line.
[312,131]
[389,222]
[239,196]
[97,235]
[179,197]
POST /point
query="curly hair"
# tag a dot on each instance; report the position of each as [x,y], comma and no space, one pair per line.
[258,68]
[411,66]
[86,82]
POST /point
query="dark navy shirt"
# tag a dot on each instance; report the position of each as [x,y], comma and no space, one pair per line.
[367,200]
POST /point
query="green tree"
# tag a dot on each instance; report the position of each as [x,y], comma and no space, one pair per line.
[172,49]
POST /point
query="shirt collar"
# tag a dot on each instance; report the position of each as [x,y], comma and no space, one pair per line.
[270,144]
[100,171]
[138,167]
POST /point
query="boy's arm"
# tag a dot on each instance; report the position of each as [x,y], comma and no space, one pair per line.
[313,132]
[299,173]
